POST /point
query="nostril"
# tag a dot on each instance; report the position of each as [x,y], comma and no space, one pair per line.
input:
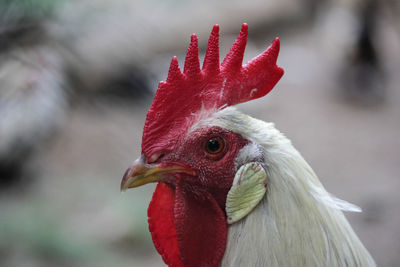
[155,157]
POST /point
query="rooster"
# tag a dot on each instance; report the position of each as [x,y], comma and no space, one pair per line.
[232,190]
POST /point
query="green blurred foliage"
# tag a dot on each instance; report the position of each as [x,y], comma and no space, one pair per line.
[16,12]
[32,232]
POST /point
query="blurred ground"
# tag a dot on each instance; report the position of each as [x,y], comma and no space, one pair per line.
[67,209]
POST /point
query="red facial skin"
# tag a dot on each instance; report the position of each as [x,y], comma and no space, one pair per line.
[187,213]
[215,172]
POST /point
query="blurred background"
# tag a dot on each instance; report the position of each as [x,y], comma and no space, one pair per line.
[77,78]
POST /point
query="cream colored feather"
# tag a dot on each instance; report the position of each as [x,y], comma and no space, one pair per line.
[298,223]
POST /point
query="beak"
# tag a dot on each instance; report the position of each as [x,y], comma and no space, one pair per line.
[140,173]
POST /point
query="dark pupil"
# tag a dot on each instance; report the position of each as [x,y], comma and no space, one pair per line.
[213,145]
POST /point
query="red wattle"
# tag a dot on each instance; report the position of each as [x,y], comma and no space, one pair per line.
[201,227]
[188,227]
[162,227]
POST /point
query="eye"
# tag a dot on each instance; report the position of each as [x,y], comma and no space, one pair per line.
[215,145]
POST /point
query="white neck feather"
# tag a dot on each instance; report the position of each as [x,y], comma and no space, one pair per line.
[298,223]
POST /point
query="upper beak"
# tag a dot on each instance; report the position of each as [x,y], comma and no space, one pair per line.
[140,173]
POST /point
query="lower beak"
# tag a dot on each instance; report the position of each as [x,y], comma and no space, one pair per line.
[140,173]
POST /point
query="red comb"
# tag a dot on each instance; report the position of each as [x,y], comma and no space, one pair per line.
[213,86]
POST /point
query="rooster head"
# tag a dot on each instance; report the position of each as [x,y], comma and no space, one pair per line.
[198,163]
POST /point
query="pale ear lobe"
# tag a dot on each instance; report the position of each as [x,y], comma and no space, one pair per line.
[248,188]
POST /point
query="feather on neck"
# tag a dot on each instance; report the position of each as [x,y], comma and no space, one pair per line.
[298,223]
